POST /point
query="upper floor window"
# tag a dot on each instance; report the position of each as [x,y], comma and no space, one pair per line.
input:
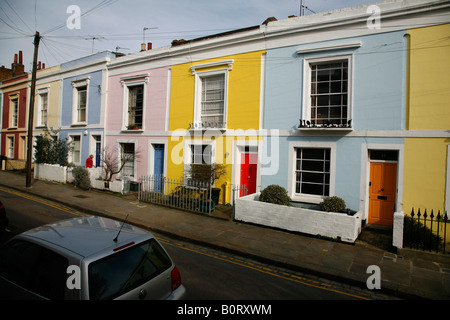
[80,101]
[43,108]
[135,106]
[211,86]
[327,88]
[14,113]
[81,104]
[134,96]
[213,101]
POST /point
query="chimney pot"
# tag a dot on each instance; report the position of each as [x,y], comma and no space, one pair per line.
[20,57]
[149,46]
[15,58]
[142,46]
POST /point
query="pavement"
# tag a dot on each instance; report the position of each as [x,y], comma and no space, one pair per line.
[406,274]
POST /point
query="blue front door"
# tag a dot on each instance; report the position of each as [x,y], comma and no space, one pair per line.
[158,170]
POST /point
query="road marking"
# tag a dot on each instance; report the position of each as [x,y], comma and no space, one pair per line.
[266,270]
[44,202]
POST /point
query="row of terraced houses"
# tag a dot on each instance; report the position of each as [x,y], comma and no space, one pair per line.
[351,103]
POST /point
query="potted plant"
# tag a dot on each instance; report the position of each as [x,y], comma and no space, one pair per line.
[133,127]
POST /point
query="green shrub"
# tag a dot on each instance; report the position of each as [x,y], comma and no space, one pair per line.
[332,204]
[275,194]
[81,178]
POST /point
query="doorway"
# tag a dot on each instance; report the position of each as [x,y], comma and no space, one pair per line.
[382,186]
[158,168]
[249,169]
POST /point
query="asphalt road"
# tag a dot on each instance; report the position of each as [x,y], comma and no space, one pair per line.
[206,273]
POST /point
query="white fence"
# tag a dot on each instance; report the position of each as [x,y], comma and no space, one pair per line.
[62,174]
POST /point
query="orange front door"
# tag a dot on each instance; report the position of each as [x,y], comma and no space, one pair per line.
[382,192]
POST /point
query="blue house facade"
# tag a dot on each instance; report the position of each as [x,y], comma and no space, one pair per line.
[334,114]
[83,106]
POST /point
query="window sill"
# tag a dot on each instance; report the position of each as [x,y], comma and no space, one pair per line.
[307,198]
[80,124]
[306,125]
[132,130]
[325,129]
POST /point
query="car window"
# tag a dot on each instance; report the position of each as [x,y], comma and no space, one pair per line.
[123,271]
[34,268]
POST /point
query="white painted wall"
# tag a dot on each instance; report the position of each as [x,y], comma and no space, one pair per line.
[57,173]
[329,224]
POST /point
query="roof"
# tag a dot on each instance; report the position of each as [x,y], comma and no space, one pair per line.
[87,235]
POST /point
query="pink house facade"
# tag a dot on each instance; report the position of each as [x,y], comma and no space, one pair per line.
[137,118]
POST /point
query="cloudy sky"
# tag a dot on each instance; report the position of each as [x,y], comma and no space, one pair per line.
[111,24]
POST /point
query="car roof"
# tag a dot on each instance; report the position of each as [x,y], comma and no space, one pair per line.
[87,235]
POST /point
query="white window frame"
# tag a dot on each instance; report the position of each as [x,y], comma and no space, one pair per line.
[310,198]
[71,153]
[41,92]
[127,83]
[306,109]
[199,75]
[119,161]
[10,147]
[14,110]
[188,153]
[77,85]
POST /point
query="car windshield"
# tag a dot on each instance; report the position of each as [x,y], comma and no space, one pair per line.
[123,271]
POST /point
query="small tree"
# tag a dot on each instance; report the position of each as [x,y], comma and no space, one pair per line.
[206,173]
[113,161]
[49,149]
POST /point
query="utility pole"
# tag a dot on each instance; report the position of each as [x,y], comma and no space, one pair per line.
[37,38]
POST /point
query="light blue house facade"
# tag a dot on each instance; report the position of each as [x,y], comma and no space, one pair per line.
[334,113]
[83,106]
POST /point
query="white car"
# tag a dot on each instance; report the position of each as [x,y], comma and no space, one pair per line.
[88,258]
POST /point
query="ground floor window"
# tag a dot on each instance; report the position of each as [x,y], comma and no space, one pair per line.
[312,171]
[127,158]
[76,149]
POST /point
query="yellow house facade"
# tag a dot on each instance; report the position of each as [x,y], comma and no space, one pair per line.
[427,151]
[215,117]
[46,101]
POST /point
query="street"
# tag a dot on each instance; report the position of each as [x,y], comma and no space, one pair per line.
[206,273]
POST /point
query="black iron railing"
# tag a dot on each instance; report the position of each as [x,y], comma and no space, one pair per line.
[426,231]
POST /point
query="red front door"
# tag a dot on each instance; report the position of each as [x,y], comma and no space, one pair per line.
[248,173]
